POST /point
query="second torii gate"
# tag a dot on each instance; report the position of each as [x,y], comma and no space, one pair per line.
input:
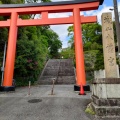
[14,10]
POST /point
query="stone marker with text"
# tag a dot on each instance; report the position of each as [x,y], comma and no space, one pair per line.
[108,46]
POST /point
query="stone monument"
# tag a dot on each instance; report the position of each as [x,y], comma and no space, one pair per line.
[108,46]
[106,91]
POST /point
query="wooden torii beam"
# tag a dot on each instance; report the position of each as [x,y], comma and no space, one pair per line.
[49,21]
[14,10]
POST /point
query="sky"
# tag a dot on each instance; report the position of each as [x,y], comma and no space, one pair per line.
[61,30]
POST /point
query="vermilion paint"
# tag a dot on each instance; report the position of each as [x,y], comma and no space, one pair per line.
[10,58]
[79,55]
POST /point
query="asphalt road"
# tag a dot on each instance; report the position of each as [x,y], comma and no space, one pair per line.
[65,104]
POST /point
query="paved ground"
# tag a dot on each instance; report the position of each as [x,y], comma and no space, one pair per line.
[64,105]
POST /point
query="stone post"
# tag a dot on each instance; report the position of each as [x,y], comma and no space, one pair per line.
[106,91]
[108,46]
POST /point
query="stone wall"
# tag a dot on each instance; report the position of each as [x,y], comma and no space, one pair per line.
[99,74]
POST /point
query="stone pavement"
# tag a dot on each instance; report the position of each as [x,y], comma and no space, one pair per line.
[65,104]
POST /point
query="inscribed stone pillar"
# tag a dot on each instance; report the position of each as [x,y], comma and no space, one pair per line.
[108,46]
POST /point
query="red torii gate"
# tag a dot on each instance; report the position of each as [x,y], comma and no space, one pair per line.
[14,10]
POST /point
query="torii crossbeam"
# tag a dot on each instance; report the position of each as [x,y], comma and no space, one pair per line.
[14,10]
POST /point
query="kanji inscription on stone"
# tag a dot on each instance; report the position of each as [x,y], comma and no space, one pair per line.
[108,46]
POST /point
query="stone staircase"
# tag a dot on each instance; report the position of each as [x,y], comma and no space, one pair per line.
[62,70]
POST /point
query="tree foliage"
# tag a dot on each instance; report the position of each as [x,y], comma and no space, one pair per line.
[92,44]
[92,40]
[67,53]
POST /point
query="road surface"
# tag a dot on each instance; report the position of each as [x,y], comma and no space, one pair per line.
[65,104]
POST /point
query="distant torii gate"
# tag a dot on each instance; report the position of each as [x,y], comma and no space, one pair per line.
[14,10]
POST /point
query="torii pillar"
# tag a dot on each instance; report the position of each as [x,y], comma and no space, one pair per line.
[79,54]
[11,50]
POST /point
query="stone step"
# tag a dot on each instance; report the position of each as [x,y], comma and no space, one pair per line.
[60,69]
[47,80]
[105,102]
[106,111]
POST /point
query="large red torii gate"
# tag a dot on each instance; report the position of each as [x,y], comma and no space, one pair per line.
[14,10]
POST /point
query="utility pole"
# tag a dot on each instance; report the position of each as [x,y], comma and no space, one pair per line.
[117,26]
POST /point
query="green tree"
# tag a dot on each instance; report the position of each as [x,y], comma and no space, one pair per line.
[92,40]
[67,53]
[11,1]
[54,43]
[92,45]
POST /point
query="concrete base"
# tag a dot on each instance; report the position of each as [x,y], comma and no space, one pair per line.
[77,88]
[106,88]
[106,97]
[7,89]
